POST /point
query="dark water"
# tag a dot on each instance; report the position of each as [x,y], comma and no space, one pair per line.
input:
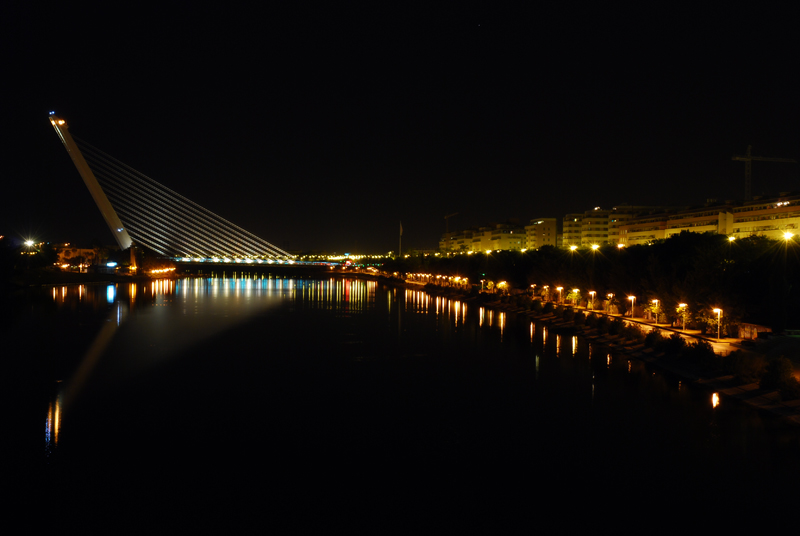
[320,404]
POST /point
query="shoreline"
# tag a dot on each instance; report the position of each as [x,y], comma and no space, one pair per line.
[725,385]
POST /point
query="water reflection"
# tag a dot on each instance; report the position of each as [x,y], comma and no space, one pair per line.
[52,426]
[345,317]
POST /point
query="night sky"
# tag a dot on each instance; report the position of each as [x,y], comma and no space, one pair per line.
[322,130]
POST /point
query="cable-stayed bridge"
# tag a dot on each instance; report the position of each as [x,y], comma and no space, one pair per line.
[139,210]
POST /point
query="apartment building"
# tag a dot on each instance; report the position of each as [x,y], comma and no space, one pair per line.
[710,218]
[715,218]
[571,229]
[492,237]
[541,232]
[770,217]
[600,226]
[643,229]
[594,227]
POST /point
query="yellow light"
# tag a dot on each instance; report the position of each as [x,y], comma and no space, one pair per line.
[787,235]
[718,311]
[573,248]
[731,238]
[595,246]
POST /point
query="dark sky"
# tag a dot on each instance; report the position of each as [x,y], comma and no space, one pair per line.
[322,130]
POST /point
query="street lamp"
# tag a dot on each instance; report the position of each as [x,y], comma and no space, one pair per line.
[595,247]
[592,293]
[656,309]
[575,292]
[608,304]
[559,289]
[547,288]
[719,321]
[633,303]
[681,307]
[573,248]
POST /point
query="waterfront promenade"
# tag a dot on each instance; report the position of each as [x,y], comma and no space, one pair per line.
[725,385]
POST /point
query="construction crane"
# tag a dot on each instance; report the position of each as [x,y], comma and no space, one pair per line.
[447,230]
[748,164]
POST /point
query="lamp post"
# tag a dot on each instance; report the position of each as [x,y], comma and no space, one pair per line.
[608,306]
[719,321]
[633,303]
[547,288]
[682,307]
[592,293]
[559,289]
[575,292]
[655,302]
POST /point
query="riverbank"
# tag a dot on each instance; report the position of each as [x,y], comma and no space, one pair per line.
[726,385]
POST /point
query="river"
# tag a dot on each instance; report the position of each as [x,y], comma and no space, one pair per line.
[279,403]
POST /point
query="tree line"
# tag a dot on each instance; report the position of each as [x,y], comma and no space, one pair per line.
[753,279]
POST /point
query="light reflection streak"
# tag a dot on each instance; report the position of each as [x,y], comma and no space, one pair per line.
[52,426]
[715,400]
[574,345]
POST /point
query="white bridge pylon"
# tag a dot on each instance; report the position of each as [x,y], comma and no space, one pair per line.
[141,210]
